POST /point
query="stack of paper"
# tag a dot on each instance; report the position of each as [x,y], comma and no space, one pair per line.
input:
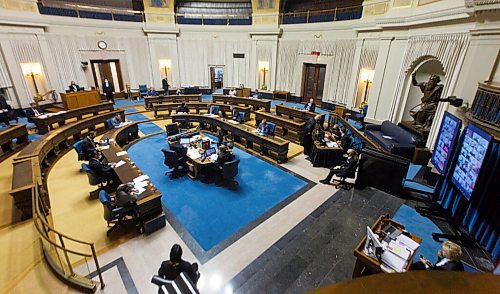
[193,153]
[397,253]
[104,147]
[121,153]
[119,163]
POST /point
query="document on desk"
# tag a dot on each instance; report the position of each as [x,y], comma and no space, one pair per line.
[119,163]
[193,153]
[104,147]
[121,153]
[332,144]
[141,178]
[407,242]
[233,122]
[393,261]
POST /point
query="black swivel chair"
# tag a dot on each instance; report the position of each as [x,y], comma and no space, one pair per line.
[94,180]
[173,161]
[172,129]
[229,172]
[115,215]
[349,174]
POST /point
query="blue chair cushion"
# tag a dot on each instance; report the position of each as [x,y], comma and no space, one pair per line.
[271,127]
[104,197]
[78,146]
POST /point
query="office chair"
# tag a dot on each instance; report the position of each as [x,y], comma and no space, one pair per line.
[229,171]
[172,129]
[242,117]
[272,128]
[214,109]
[349,174]
[173,161]
[109,124]
[94,180]
[78,148]
[115,215]
[143,90]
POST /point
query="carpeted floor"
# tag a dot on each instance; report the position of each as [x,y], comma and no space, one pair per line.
[126,102]
[147,127]
[209,213]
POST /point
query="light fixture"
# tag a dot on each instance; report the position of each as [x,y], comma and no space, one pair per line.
[367,78]
[264,67]
[165,65]
[31,70]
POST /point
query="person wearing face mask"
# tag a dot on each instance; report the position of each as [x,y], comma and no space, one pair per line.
[109,90]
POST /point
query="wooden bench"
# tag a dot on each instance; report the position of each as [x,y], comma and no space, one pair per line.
[285,124]
[198,106]
[149,101]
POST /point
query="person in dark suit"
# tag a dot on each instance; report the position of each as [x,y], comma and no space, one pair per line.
[344,169]
[345,140]
[223,157]
[307,139]
[310,106]
[6,112]
[263,127]
[126,196]
[103,171]
[89,145]
[109,90]
[73,87]
[183,108]
[151,92]
[171,269]
[164,85]
[448,259]
[116,120]
[33,111]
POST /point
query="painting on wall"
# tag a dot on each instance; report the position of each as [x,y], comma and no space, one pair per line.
[158,3]
[265,4]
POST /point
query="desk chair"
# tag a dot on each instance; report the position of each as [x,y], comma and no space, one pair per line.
[143,90]
[214,109]
[349,174]
[229,171]
[242,117]
[78,148]
[115,215]
[172,129]
[173,161]
[271,127]
[109,124]
[94,180]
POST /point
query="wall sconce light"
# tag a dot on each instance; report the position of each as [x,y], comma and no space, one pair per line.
[32,70]
[264,67]
[165,65]
[367,78]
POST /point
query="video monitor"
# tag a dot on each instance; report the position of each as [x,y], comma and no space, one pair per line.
[445,142]
[470,160]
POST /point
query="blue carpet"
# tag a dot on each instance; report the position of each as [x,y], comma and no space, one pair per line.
[209,213]
[33,137]
[126,102]
[422,227]
[147,127]
[24,120]
[129,110]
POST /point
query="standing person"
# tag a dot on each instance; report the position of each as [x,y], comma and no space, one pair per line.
[109,90]
[164,85]
[311,106]
[307,139]
[171,269]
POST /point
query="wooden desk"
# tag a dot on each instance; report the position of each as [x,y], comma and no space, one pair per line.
[243,92]
[46,122]
[256,103]
[149,202]
[281,94]
[80,99]
[149,101]
[284,124]
[23,181]
[294,113]
[198,106]
[365,262]
[195,165]
[324,156]
[277,146]
[15,131]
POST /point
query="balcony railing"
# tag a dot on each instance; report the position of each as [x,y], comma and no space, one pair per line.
[92,12]
[337,14]
[213,19]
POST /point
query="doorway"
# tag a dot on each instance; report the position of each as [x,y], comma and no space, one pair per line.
[216,78]
[313,82]
[107,69]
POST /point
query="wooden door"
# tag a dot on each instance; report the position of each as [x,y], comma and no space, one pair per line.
[313,82]
[107,69]
[212,79]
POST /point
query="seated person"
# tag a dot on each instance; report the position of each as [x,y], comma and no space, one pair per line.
[104,171]
[151,92]
[263,128]
[117,120]
[182,108]
[448,259]
[318,134]
[345,140]
[178,92]
[335,130]
[232,92]
[256,95]
[73,87]
[171,269]
[126,196]
[310,106]
[223,157]
[6,112]
[33,111]
[89,145]
[344,169]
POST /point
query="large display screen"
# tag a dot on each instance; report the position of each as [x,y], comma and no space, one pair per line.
[446,139]
[470,159]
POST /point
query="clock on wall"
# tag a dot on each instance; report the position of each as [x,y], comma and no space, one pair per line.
[102,45]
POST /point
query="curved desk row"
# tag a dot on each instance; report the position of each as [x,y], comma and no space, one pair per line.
[45,122]
[149,101]
[277,146]
[34,158]
[7,135]
[197,106]
[295,113]
[285,124]
[255,103]
[149,202]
